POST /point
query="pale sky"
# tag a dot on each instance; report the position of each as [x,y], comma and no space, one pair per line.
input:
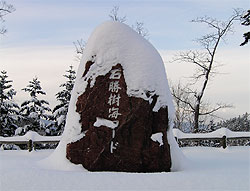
[41,32]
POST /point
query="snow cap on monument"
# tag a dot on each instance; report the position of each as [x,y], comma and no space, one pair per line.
[118,118]
[114,42]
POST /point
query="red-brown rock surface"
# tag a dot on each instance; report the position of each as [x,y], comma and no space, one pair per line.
[118,128]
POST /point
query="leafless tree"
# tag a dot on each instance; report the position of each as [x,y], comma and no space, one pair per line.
[183,115]
[79,48]
[114,15]
[204,60]
[140,29]
[5,9]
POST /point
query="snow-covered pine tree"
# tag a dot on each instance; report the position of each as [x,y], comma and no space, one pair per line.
[60,111]
[8,107]
[35,110]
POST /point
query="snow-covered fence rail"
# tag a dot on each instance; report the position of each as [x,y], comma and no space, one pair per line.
[31,139]
[223,136]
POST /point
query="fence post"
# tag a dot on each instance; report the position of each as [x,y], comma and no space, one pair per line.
[30,145]
[224,142]
[34,146]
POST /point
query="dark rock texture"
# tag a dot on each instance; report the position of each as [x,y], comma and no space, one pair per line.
[129,146]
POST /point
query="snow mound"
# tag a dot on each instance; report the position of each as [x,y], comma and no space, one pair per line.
[112,43]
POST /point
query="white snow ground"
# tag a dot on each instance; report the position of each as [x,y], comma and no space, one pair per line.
[209,169]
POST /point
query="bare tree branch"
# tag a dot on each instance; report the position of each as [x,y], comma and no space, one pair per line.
[183,101]
[5,9]
[114,15]
[220,106]
[140,29]
[79,48]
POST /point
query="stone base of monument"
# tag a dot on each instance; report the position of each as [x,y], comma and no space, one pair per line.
[122,133]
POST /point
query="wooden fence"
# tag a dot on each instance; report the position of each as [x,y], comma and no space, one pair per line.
[223,140]
[31,144]
[221,137]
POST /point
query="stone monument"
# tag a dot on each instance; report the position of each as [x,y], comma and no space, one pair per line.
[122,102]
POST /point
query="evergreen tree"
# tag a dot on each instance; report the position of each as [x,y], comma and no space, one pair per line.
[61,110]
[240,123]
[246,122]
[8,107]
[35,111]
